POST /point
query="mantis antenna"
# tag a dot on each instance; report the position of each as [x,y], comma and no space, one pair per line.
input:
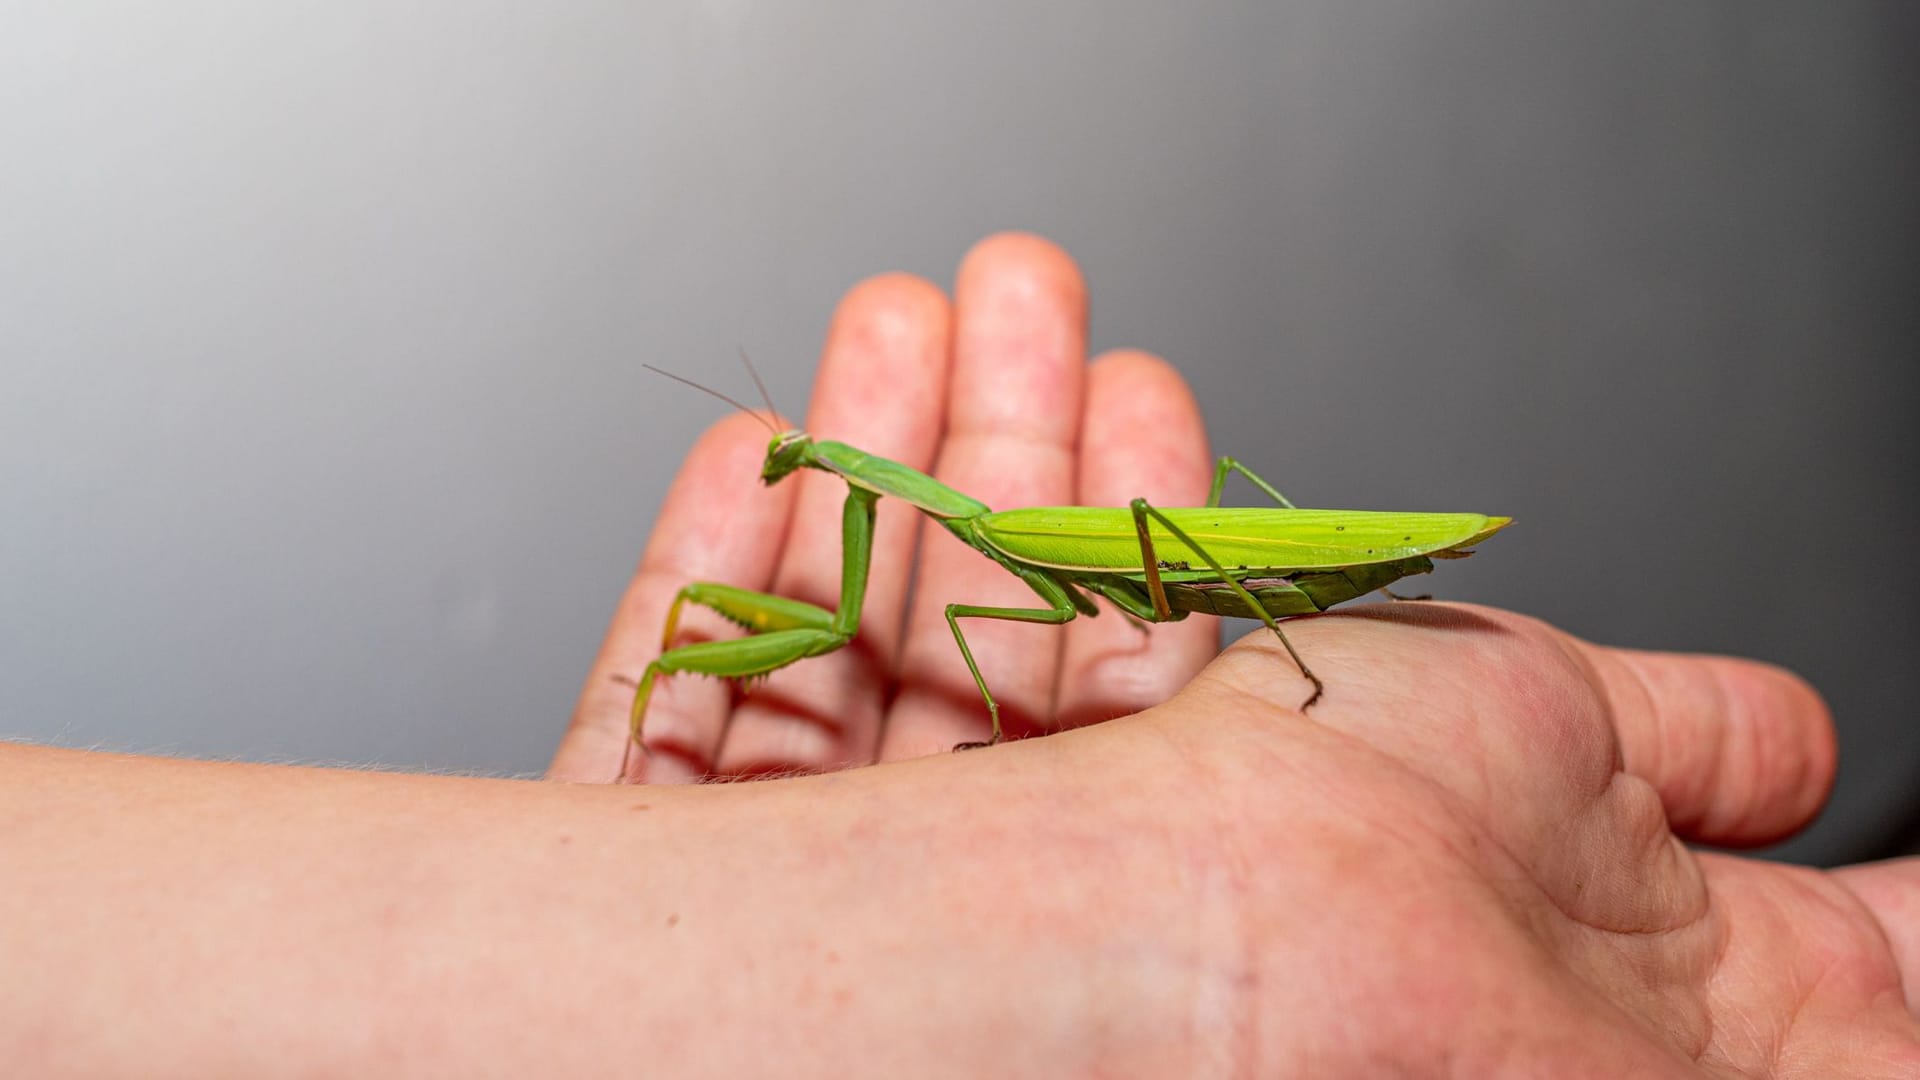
[718,394]
[762,387]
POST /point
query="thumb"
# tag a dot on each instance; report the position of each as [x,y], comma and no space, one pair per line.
[1742,753]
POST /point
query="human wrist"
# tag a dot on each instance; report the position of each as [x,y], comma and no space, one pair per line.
[1091,896]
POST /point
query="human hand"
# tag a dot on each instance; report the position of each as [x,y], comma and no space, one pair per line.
[1469,858]
[1471,861]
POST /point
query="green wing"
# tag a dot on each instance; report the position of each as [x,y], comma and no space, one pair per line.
[1104,539]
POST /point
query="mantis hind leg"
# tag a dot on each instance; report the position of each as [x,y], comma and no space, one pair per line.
[1142,510]
[1229,464]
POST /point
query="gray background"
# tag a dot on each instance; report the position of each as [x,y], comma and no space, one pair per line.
[323,435]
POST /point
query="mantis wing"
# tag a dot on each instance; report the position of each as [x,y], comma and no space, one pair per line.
[1101,539]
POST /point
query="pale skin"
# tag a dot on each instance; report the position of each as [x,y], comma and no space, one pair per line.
[1465,860]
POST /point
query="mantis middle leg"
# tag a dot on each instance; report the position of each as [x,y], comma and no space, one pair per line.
[1062,610]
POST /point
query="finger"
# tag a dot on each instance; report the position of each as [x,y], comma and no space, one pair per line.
[716,525]
[1012,423]
[1891,891]
[1742,753]
[1141,436]
[881,388]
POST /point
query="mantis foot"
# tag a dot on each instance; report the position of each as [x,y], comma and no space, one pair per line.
[957,747]
[1318,689]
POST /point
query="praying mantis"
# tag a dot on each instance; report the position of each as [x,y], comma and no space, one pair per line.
[1155,565]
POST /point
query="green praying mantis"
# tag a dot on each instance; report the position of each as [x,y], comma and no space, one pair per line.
[1155,565]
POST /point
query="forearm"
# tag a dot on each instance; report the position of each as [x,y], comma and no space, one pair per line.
[190,918]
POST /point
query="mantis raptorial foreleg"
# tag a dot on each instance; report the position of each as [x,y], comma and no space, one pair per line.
[781,630]
[755,611]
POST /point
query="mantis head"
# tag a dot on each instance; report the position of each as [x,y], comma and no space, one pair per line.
[787,452]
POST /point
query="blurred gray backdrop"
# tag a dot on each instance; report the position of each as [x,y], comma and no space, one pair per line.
[323,434]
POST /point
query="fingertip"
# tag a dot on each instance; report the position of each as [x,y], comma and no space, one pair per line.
[1743,752]
[1152,364]
[1022,262]
[888,312]
[1136,371]
[1780,748]
[883,371]
[1142,396]
[1142,435]
[1807,750]
[1020,322]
